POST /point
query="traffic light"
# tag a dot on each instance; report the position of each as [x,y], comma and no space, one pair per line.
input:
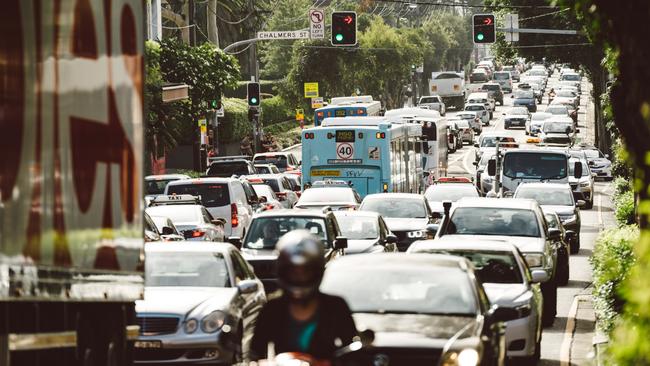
[344,28]
[216,103]
[484,28]
[253,94]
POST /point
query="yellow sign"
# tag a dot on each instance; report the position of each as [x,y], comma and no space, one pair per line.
[311,90]
[203,125]
[317,103]
[325,173]
[300,114]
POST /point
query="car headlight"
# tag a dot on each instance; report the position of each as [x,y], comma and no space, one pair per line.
[534,259]
[584,184]
[213,321]
[569,219]
[466,357]
[190,326]
[416,234]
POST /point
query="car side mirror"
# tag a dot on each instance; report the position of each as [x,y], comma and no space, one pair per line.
[475,163]
[366,337]
[219,222]
[476,144]
[492,167]
[503,314]
[554,234]
[340,242]
[539,276]
[247,286]
[577,130]
[391,239]
[606,156]
[569,235]
[236,241]
[580,203]
[166,230]
[263,199]
[432,230]
[577,170]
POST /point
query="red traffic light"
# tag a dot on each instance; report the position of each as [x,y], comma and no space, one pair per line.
[487,21]
[348,20]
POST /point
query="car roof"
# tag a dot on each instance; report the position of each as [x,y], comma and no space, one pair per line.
[188,246]
[520,203]
[473,104]
[292,213]
[460,243]
[166,176]
[545,185]
[400,259]
[265,176]
[284,153]
[394,195]
[348,213]
[203,180]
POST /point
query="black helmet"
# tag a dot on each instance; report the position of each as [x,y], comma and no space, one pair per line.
[301,263]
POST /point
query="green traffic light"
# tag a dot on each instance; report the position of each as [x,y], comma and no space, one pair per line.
[339,37]
[253,100]
[480,36]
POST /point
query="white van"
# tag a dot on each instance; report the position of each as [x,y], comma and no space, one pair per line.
[223,197]
[504,79]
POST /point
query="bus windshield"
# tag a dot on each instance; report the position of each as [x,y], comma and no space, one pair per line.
[535,165]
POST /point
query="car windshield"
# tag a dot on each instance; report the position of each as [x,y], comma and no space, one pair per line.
[571,77]
[462,124]
[212,194]
[179,214]
[490,86]
[449,191]
[358,227]
[158,186]
[557,109]
[565,94]
[429,100]
[278,160]
[227,169]
[524,94]
[263,169]
[535,165]
[493,221]
[264,190]
[585,168]
[501,75]
[327,194]
[265,232]
[161,222]
[552,221]
[402,289]
[593,154]
[540,116]
[491,141]
[557,127]
[475,108]
[537,72]
[186,269]
[547,196]
[468,116]
[396,207]
[489,266]
[518,110]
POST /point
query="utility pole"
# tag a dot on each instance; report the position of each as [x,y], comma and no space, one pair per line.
[190,19]
[254,71]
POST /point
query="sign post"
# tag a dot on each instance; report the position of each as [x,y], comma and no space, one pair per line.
[512,22]
[317,23]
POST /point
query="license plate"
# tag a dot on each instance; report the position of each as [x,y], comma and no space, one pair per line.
[147,344]
[326,173]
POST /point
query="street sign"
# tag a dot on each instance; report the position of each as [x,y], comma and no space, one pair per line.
[311,90]
[203,126]
[300,114]
[511,23]
[317,102]
[317,23]
[298,34]
[344,150]
[221,112]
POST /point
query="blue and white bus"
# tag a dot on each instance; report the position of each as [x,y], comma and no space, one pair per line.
[374,154]
[354,106]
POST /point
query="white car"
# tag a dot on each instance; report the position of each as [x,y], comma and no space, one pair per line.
[583,186]
[516,116]
[281,186]
[481,111]
[223,197]
[534,125]
[336,197]
[433,102]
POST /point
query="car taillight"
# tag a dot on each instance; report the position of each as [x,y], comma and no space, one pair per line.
[197,233]
[269,207]
[234,219]
[289,167]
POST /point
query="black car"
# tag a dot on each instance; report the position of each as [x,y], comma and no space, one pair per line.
[563,247]
[494,91]
[258,245]
[426,309]
[227,166]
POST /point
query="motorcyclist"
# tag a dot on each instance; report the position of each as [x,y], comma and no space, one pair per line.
[302,319]
[551,95]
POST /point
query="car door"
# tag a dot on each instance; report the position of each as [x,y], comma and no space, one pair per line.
[292,197]
[384,232]
[253,302]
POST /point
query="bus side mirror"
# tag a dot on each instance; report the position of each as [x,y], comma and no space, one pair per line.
[577,169]
[492,167]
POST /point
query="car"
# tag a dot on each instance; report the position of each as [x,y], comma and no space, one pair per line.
[487,68]
[573,110]
[200,303]
[508,282]
[189,216]
[280,185]
[366,232]
[570,76]
[558,110]
[484,181]
[425,309]
[267,169]
[228,166]
[478,76]
[599,163]
[504,79]
[556,197]
[167,229]
[267,198]
[481,111]
[406,214]
[563,246]
[473,120]
[514,73]
[583,187]
[336,197]
[494,91]
[534,124]
[284,160]
[448,189]
[515,220]
[488,141]
[223,198]
[466,131]
[525,98]
[433,102]
[258,246]
[485,98]
[538,88]
[567,97]
[454,136]
[516,116]
[155,184]
[558,131]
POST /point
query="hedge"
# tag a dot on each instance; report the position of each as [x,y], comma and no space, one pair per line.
[275,110]
[234,125]
[623,201]
[611,261]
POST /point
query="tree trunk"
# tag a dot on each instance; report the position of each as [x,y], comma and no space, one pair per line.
[178,19]
[213,32]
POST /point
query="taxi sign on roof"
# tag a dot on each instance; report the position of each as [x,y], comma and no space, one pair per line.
[176,199]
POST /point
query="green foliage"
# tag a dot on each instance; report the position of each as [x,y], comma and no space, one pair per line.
[621,161]
[235,124]
[275,110]
[611,261]
[624,208]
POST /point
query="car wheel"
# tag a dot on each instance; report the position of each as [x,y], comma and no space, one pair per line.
[589,205]
[506,126]
[575,245]
[563,271]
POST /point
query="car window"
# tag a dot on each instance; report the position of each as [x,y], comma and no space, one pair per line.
[245,268]
[278,160]
[207,218]
[264,232]
[228,168]
[150,229]
[186,269]
[535,165]
[524,94]
[358,227]
[238,271]
[490,266]
[332,230]
[251,195]
[493,221]
[395,207]
[212,194]
[238,192]
[286,184]
[158,186]
[547,196]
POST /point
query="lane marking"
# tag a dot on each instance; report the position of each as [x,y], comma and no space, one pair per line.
[565,349]
[600,210]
